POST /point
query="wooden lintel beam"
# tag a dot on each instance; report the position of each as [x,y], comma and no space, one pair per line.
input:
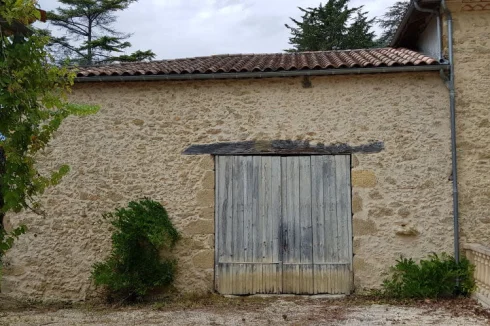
[281,147]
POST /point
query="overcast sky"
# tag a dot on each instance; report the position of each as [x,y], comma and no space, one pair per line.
[189,28]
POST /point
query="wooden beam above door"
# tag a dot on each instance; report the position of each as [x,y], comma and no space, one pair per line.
[281,147]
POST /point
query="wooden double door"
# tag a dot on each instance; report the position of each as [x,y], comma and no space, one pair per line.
[283,224]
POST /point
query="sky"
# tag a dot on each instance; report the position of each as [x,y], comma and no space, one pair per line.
[190,28]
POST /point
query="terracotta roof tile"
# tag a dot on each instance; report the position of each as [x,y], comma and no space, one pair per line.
[237,63]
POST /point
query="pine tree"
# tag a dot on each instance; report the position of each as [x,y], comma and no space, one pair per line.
[91,22]
[327,28]
[391,20]
[360,35]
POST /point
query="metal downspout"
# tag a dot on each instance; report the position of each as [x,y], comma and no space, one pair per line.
[439,34]
[452,103]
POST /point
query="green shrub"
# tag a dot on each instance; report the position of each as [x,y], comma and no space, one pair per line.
[434,277]
[143,234]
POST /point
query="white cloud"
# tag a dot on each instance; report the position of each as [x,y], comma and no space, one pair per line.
[188,28]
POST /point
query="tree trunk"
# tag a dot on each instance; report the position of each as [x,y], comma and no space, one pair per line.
[89,40]
[3,160]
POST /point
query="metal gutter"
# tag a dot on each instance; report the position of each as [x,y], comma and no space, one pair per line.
[243,75]
[452,103]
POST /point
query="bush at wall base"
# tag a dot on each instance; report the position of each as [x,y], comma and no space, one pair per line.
[142,234]
[438,276]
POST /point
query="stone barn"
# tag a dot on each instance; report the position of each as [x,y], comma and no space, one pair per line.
[295,173]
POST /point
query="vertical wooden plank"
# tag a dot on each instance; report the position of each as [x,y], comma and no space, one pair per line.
[329,283]
[255,230]
[284,225]
[335,279]
[285,212]
[263,209]
[317,215]
[341,203]
[222,279]
[238,211]
[291,225]
[305,225]
[266,222]
[323,288]
[226,279]
[327,224]
[330,279]
[223,208]
[219,243]
[326,279]
[223,221]
[255,278]
[295,223]
[228,216]
[348,279]
[288,221]
[349,219]
[294,208]
[227,212]
[247,221]
[219,279]
[330,197]
[275,224]
[262,220]
[346,222]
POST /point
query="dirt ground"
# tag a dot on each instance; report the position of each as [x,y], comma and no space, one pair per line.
[257,311]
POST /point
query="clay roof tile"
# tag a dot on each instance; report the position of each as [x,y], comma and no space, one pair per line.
[237,63]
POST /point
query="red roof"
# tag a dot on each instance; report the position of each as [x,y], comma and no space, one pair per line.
[237,63]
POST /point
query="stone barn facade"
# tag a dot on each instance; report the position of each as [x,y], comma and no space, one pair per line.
[286,173]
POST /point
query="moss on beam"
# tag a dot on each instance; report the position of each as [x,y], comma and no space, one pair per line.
[281,147]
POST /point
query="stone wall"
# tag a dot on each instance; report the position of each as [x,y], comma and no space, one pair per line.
[132,148]
[472,71]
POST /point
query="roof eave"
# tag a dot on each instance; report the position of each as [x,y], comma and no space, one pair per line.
[401,32]
[244,75]
[403,25]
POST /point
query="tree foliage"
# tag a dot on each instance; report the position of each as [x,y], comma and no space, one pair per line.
[333,26]
[90,37]
[33,103]
[135,265]
[391,20]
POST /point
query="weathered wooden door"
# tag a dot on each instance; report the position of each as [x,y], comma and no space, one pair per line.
[283,224]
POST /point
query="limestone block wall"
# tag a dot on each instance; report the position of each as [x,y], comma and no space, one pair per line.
[472,71]
[132,148]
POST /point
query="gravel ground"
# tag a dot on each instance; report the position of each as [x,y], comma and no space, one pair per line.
[250,311]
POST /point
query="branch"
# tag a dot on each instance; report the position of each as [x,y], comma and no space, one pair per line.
[73,28]
[67,45]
